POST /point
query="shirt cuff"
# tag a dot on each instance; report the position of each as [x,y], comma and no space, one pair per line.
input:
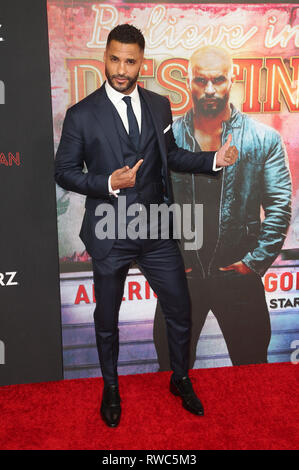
[111,191]
[214,164]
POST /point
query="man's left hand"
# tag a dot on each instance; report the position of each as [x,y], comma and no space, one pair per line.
[227,154]
[239,266]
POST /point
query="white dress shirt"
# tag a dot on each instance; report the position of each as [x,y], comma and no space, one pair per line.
[117,99]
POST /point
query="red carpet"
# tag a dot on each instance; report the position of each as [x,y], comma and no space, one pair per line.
[248,407]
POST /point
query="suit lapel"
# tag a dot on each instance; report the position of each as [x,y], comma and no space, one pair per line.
[156,118]
[103,111]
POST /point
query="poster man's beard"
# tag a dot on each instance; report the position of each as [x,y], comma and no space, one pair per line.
[212,108]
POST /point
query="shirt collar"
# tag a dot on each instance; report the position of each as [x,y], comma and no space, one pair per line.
[115,96]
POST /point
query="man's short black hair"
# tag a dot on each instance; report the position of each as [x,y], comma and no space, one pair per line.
[127,34]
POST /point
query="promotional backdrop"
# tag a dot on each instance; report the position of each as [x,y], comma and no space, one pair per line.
[263,41]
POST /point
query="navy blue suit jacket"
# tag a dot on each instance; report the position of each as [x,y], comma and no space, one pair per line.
[89,136]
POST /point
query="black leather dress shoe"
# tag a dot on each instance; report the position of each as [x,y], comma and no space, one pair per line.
[110,407]
[184,389]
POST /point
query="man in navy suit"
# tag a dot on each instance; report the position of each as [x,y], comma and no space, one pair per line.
[123,134]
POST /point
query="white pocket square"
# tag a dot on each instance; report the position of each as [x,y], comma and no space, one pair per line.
[167,129]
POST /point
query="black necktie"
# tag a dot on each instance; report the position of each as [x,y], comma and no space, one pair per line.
[133,124]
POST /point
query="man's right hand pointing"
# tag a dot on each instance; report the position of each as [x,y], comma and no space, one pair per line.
[124,177]
[227,155]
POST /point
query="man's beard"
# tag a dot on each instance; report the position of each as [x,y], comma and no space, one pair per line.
[210,107]
[121,88]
